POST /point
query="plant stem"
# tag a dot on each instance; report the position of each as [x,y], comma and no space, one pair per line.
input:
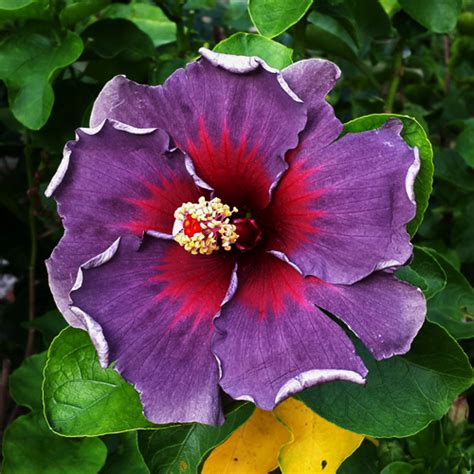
[33,250]
[395,82]
[447,77]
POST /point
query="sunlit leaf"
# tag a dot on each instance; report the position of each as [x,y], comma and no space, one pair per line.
[317,445]
[272,17]
[252,448]
[247,44]
[81,398]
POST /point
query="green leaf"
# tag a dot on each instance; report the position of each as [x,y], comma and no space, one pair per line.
[82,399]
[49,324]
[465,145]
[149,18]
[450,167]
[371,18]
[402,394]
[272,17]
[439,16]
[414,134]
[29,62]
[23,9]
[428,445]
[77,11]
[248,44]
[30,447]
[129,42]
[124,456]
[453,308]
[25,382]
[363,461]
[463,230]
[329,35]
[182,448]
[424,272]
[398,467]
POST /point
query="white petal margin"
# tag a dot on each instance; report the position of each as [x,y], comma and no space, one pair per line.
[234,281]
[284,258]
[58,177]
[314,377]
[411,176]
[244,64]
[89,324]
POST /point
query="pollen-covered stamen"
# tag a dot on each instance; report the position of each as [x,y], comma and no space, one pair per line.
[203,227]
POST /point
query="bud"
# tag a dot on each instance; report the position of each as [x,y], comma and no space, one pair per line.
[459,411]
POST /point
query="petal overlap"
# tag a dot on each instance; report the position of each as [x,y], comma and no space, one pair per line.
[384,313]
[339,213]
[312,80]
[113,180]
[232,116]
[154,304]
[271,341]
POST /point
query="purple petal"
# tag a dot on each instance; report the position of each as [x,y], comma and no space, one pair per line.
[384,313]
[113,180]
[152,310]
[127,102]
[234,116]
[312,80]
[340,214]
[272,342]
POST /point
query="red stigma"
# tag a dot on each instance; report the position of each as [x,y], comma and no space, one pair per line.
[191,226]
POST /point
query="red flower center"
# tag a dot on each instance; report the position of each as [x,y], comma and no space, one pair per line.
[191,226]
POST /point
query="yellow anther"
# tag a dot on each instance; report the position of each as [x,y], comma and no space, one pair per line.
[203,227]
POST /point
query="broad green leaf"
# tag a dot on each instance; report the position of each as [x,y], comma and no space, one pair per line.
[15,4]
[390,6]
[465,145]
[424,272]
[428,445]
[317,444]
[23,10]
[49,324]
[129,44]
[124,455]
[149,18]
[439,16]
[77,11]
[371,18]
[463,230]
[453,307]
[450,167]
[414,134]
[329,35]
[25,382]
[248,44]
[272,17]
[253,447]
[363,461]
[30,447]
[182,448]
[402,394]
[398,467]
[29,63]
[82,399]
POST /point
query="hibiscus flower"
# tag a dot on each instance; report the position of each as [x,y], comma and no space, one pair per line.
[214,224]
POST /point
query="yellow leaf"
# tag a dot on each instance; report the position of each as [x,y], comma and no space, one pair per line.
[317,445]
[250,449]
